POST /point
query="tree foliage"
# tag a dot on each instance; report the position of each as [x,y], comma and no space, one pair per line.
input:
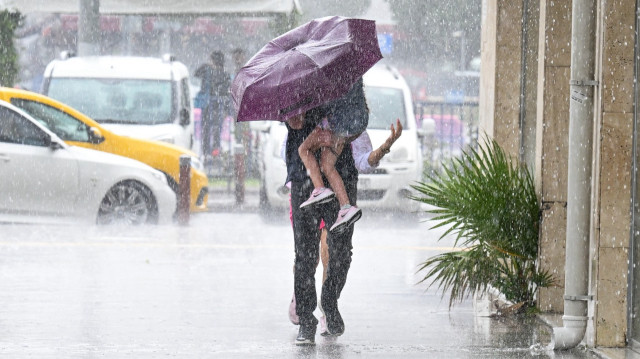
[9,22]
[489,203]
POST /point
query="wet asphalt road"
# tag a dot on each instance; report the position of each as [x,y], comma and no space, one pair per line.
[220,288]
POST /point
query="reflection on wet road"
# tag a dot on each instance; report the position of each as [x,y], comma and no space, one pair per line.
[220,288]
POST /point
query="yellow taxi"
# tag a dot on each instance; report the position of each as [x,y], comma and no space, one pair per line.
[79,130]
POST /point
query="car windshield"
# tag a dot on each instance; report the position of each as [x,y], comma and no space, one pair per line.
[63,125]
[123,101]
[385,106]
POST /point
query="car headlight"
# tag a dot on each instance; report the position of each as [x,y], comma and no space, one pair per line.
[196,164]
[159,176]
[167,139]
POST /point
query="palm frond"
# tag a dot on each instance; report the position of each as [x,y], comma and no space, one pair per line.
[489,204]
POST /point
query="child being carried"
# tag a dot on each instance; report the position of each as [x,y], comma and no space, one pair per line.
[346,118]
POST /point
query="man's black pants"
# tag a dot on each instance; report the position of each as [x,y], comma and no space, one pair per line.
[306,237]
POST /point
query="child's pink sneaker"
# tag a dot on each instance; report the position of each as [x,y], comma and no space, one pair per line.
[346,217]
[319,195]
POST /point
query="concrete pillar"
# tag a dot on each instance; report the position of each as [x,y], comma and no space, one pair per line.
[501,49]
[508,81]
[525,107]
[554,65]
[529,85]
[612,177]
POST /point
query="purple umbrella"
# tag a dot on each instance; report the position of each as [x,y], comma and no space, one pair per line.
[305,67]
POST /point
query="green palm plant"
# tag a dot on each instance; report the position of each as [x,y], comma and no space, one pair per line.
[489,203]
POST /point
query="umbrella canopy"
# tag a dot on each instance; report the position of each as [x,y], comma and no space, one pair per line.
[305,67]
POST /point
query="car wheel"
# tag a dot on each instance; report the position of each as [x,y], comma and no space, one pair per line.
[129,203]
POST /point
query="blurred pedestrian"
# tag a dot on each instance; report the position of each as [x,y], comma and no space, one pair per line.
[238,57]
[214,95]
[242,133]
[244,159]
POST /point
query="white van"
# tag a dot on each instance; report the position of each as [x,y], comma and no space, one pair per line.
[388,187]
[141,97]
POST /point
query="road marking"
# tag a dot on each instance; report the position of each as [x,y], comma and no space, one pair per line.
[418,248]
[108,242]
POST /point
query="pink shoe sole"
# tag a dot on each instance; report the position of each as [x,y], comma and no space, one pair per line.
[346,218]
[317,197]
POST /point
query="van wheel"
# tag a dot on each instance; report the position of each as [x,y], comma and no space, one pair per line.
[264,207]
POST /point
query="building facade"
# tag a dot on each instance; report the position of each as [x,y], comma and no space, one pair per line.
[525,100]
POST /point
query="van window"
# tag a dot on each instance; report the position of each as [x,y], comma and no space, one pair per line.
[122,101]
[385,106]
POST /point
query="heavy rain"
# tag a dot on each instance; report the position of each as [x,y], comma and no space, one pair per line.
[160,163]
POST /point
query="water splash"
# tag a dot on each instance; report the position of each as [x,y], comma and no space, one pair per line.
[540,349]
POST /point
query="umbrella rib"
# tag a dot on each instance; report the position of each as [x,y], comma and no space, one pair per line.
[329,29]
[338,44]
[279,90]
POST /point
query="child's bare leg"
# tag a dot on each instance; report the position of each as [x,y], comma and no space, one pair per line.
[306,152]
[324,253]
[328,160]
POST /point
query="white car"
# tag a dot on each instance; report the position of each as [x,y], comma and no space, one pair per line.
[143,97]
[45,180]
[388,187]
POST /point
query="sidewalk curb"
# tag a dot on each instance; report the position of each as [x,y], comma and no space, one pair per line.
[224,200]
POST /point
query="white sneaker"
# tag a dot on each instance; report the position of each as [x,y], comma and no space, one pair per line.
[319,195]
[346,217]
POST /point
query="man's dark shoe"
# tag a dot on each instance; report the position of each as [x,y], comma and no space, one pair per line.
[306,335]
[335,324]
